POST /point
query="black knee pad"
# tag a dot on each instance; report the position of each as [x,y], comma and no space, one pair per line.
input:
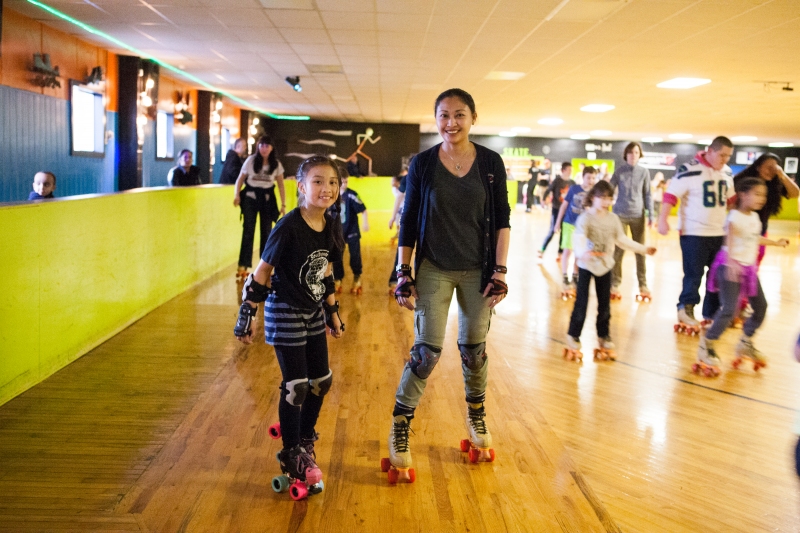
[473,355]
[321,386]
[423,359]
[295,391]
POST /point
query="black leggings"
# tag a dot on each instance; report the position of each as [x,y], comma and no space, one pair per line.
[261,208]
[602,286]
[553,218]
[301,362]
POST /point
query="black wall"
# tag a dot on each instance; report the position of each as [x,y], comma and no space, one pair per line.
[397,141]
[566,149]
[127,139]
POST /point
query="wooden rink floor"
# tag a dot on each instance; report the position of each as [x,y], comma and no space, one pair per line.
[163,428]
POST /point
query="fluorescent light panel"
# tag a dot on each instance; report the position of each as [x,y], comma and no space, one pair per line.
[600,133]
[683,83]
[503,75]
[550,121]
[744,139]
[780,145]
[507,134]
[652,139]
[597,108]
[580,136]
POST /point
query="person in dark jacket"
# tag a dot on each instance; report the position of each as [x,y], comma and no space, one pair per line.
[233,162]
[185,173]
[456,215]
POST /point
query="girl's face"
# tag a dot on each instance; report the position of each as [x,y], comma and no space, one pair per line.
[454,120]
[264,150]
[602,203]
[754,199]
[768,169]
[320,186]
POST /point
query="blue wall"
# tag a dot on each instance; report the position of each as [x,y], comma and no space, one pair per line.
[34,136]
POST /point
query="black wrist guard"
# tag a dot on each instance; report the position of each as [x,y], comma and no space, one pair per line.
[246,316]
[254,291]
[498,287]
[404,282]
[330,310]
[330,286]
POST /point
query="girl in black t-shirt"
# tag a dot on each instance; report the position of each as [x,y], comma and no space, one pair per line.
[294,279]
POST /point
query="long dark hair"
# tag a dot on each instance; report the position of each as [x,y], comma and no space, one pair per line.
[746,184]
[774,186]
[272,158]
[336,221]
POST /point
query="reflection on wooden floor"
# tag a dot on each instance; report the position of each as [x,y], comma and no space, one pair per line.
[163,428]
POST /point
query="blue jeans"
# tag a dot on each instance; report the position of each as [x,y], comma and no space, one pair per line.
[730,298]
[698,255]
[435,289]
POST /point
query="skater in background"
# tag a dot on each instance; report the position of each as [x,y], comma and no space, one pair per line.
[44,183]
[703,187]
[294,279]
[399,192]
[657,187]
[261,172]
[530,195]
[734,276]
[348,210]
[184,174]
[233,162]
[571,208]
[558,187]
[456,215]
[597,232]
[797,422]
[632,184]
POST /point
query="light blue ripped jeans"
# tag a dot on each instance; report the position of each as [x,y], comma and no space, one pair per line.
[435,290]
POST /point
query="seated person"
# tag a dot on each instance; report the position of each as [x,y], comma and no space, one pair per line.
[184,173]
[44,183]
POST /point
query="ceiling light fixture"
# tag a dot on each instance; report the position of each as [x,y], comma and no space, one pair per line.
[600,133]
[550,121]
[652,139]
[521,129]
[680,136]
[704,142]
[580,136]
[683,83]
[294,83]
[597,108]
[744,139]
[167,66]
[780,145]
[507,134]
[504,75]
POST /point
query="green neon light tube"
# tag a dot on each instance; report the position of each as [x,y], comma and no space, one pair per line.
[167,66]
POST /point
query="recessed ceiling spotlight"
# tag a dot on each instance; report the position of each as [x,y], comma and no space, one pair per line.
[680,136]
[507,134]
[550,121]
[600,133]
[597,108]
[683,83]
[521,129]
[744,139]
[652,139]
[780,145]
[504,75]
[580,136]
[294,82]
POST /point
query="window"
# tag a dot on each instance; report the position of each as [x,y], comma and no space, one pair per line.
[165,138]
[88,121]
[226,143]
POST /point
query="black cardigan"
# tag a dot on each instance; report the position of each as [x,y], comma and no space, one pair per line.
[496,210]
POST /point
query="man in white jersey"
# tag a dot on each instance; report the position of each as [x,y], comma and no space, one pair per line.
[703,187]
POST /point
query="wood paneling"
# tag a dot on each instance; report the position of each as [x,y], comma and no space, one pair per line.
[22,37]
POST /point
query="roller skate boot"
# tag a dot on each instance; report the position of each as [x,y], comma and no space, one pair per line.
[605,351]
[687,324]
[707,359]
[644,294]
[241,274]
[479,441]
[357,289]
[567,290]
[398,464]
[573,350]
[746,350]
[615,294]
[337,284]
[301,475]
[308,444]
[706,323]
[540,255]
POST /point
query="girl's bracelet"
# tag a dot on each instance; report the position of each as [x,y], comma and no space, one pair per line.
[500,269]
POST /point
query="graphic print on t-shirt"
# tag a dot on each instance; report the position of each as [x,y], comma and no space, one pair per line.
[312,272]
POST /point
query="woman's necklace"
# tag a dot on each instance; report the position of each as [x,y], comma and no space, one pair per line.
[458,166]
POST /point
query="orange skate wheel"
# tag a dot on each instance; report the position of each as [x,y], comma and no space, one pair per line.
[474,455]
[385,464]
[465,445]
[392,476]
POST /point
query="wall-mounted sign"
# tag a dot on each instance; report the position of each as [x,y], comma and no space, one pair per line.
[658,160]
[603,147]
[519,152]
[790,165]
[746,158]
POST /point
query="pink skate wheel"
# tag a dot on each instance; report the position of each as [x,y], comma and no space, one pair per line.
[676,327]
[275,430]
[298,490]
[465,446]
[736,363]
[385,464]
[474,455]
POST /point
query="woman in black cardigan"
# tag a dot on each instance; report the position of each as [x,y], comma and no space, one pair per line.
[456,215]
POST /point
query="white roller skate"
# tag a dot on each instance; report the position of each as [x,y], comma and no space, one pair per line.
[356,289]
[616,294]
[707,359]
[746,350]
[568,290]
[479,441]
[398,464]
[605,350]
[687,324]
[573,350]
[644,294]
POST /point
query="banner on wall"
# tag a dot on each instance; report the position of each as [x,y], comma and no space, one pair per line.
[518,160]
[658,160]
[605,168]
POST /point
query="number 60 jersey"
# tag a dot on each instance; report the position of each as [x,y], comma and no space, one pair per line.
[703,193]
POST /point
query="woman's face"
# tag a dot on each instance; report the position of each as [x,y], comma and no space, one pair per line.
[768,169]
[454,120]
[264,150]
